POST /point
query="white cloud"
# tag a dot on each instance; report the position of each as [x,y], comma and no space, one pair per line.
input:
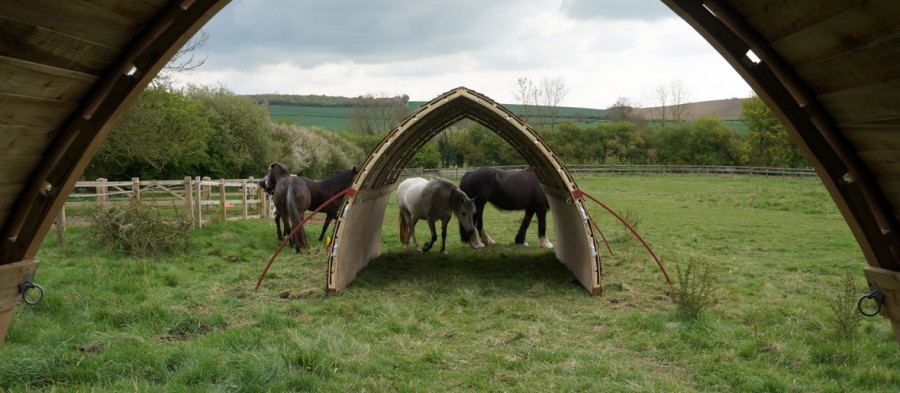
[604,49]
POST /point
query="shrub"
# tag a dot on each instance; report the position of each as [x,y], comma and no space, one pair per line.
[137,230]
[843,307]
[693,291]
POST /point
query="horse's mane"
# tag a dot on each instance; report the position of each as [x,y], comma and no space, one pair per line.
[340,180]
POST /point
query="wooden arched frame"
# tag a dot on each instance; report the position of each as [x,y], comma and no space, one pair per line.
[357,236]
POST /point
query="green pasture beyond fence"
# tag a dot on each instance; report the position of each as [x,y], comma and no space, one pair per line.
[196,199]
[203,199]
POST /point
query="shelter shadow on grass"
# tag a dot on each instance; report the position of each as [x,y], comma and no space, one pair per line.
[501,269]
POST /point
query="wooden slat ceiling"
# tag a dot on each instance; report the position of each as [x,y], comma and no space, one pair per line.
[829,69]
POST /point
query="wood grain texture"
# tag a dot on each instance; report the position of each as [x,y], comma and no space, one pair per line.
[17,141]
[37,80]
[850,30]
[34,112]
[36,44]
[69,18]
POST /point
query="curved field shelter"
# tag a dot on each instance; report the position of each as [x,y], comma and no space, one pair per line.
[359,225]
[828,69]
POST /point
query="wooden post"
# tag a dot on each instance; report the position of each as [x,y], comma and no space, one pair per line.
[102,191]
[206,191]
[10,277]
[888,281]
[136,188]
[244,198]
[189,199]
[199,203]
[223,208]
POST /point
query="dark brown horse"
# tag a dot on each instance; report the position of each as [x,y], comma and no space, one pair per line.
[506,190]
[321,191]
[292,199]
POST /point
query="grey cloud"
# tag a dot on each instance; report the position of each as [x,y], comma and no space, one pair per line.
[369,31]
[648,10]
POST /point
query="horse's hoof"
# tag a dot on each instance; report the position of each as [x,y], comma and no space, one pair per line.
[477,245]
[524,244]
[547,245]
[426,247]
[444,252]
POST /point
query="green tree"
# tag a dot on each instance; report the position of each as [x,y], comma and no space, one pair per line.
[315,152]
[164,135]
[706,141]
[243,143]
[428,156]
[769,143]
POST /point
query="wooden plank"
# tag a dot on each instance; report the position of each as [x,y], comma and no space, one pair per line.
[137,11]
[879,60]
[24,140]
[34,112]
[889,283]
[10,277]
[73,18]
[35,44]
[884,171]
[37,80]
[874,135]
[16,170]
[864,103]
[850,30]
[779,18]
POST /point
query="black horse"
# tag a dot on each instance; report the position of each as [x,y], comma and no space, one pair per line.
[320,192]
[292,198]
[506,190]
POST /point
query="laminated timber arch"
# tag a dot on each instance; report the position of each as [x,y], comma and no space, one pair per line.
[828,69]
[357,236]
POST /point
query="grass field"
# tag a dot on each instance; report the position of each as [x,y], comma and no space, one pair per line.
[507,318]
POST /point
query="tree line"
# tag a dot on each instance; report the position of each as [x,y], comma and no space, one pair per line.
[210,131]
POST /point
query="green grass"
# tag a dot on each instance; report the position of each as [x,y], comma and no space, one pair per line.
[506,318]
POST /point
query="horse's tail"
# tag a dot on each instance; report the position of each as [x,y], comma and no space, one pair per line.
[404,230]
[294,214]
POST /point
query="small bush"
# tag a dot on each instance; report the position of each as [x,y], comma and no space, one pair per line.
[693,292]
[844,315]
[138,230]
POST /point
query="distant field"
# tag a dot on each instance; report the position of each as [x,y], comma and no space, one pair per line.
[338,118]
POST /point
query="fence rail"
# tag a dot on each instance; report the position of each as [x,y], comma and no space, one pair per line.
[203,199]
[641,170]
[196,199]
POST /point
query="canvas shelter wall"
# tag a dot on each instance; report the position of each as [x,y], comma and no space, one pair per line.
[357,237]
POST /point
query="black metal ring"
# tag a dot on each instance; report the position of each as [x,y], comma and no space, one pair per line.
[860,308]
[25,286]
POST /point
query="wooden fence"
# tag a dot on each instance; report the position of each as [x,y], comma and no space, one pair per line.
[202,199]
[196,199]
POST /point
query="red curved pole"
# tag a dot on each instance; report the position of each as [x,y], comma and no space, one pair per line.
[288,237]
[579,193]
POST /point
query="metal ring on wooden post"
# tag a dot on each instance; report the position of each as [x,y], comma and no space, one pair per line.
[875,295]
[25,286]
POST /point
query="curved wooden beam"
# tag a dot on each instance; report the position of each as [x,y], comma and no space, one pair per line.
[80,137]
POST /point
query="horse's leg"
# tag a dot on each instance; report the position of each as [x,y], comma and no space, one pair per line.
[479,225]
[412,232]
[328,219]
[542,230]
[428,245]
[278,228]
[444,235]
[526,221]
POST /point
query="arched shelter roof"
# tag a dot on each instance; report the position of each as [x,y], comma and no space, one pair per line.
[360,223]
[828,69]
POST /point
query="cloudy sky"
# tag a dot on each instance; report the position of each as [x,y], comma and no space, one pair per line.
[603,49]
